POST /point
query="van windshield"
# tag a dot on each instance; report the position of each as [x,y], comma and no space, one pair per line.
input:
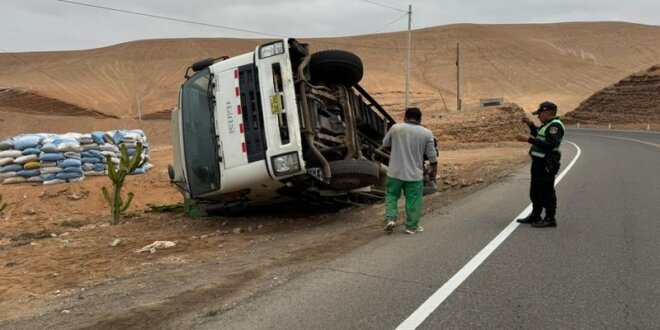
[199,136]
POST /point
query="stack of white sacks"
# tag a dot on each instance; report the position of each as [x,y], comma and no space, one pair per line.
[63,158]
[19,159]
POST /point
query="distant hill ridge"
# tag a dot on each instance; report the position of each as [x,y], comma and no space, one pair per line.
[524,63]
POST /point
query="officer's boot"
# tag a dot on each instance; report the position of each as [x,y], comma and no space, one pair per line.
[546,222]
[531,218]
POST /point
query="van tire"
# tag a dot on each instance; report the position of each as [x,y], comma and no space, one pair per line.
[336,67]
[353,174]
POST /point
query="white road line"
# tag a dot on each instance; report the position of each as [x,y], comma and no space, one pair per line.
[419,315]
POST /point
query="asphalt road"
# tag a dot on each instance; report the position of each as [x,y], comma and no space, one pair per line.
[599,269]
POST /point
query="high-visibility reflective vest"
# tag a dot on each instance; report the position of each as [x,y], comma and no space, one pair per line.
[535,151]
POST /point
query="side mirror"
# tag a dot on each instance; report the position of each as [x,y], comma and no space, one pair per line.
[170,172]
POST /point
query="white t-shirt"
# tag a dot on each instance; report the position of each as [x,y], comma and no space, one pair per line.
[409,143]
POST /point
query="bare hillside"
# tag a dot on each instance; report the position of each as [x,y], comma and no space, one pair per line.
[635,99]
[25,101]
[525,64]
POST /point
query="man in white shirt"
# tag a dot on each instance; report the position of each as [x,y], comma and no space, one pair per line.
[409,142]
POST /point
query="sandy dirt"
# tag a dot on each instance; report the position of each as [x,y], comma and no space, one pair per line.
[59,268]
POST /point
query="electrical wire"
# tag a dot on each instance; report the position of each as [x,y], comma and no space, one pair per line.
[390,23]
[57,81]
[384,6]
[319,40]
[30,65]
[170,18]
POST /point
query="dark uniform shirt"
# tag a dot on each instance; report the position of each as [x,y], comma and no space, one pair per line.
[553,135]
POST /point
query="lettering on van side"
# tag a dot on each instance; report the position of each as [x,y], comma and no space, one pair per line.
[231,120]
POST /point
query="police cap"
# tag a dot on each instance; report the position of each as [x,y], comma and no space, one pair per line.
[547,105]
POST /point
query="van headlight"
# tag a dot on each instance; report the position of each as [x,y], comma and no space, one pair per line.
[286,164]
[273,49]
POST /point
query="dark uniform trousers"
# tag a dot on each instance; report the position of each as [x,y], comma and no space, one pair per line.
[542,189]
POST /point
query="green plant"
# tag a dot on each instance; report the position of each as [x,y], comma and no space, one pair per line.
[117,174]
[3,206]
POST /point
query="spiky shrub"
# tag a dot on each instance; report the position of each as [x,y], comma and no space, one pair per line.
[117,174]
[3,206]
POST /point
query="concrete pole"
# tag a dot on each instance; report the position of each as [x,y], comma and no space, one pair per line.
[408,58]
[138,108]
[458,78]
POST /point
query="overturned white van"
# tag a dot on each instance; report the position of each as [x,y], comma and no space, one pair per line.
[277,124]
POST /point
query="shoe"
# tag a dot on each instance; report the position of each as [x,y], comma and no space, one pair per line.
[412,231]
[389,226]
[531,218]
[547,222]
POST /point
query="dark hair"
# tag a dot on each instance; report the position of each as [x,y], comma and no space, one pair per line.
[414,113]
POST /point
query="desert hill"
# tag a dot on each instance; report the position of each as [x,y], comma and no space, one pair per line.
[524,63]
[634,99]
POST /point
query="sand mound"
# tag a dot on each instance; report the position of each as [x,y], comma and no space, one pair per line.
[634,99]
[480,125]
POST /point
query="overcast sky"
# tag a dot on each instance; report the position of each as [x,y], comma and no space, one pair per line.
[32,25]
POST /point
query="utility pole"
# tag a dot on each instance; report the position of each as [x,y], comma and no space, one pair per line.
[458,78]
[408,58]
[138,108]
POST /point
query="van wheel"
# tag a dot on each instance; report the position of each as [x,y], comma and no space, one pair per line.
[352,174]
[336,67]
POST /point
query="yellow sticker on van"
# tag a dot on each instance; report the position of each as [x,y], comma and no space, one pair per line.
[275,104]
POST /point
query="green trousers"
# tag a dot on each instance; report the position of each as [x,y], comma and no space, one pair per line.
[413,191]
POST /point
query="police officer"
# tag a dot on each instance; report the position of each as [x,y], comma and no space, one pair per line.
[545,141]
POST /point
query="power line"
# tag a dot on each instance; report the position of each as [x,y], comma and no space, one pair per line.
[171,18]
[30,65]
[362,46]
[366,35]
[227,27]
[442,97]
[385,6]
[390,23]
[57,81]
